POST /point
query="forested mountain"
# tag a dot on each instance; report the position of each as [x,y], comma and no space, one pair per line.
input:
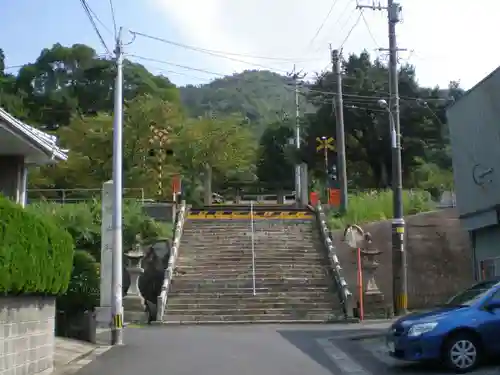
[262,97]
[241,124]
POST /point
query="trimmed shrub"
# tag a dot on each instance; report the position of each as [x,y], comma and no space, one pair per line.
[83,291]
[83,222]
[35,255]
[377,205]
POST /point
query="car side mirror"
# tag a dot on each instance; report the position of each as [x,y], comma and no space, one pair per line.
[492,305]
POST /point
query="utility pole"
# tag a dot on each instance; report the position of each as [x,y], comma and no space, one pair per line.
[298,188]
[399,265]
[117,277]
[339,130]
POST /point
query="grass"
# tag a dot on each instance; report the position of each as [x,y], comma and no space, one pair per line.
[377,205]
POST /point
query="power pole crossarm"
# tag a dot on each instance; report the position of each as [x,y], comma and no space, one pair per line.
[339,130]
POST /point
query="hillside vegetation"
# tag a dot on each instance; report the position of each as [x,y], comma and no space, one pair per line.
[262,97]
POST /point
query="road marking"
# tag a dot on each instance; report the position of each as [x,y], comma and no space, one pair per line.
[340,358]
[378,349]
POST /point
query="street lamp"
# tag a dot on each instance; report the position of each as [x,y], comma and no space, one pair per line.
[399,272]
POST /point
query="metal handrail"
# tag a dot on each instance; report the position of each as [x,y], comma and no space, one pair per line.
[169,271]
[65,195]
[252,227]
[344,292]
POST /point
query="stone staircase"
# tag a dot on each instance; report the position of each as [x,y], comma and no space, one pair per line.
[213,281]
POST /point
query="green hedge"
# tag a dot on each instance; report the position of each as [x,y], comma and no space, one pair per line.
[36,257]
[83,290]
[83,222]
[376,205]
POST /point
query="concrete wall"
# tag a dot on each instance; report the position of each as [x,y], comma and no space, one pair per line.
[473,124]
[160,211]
[439,258]
[26,335]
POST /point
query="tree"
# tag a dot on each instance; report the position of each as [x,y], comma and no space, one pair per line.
[90,141]
[68,80]
[274,166]
[367,125]
[224,144]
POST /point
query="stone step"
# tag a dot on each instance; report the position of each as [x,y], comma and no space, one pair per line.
[316,317]
[281,249]
[247,251]
[242,233]
[218,261]
[261,310]
[288,259]
[220,304]
[248,273]
[248,277]
[235,242]
[247,293]
[225,284]
[241,270]
[247,269]
[247,244]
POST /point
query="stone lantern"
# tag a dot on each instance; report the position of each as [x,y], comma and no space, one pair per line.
[133,302]
[370,265]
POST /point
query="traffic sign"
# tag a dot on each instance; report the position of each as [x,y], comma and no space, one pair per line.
[325,143]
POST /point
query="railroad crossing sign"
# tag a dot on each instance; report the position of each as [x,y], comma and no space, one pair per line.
[325,144]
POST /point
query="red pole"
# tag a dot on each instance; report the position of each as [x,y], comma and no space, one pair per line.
[360,286]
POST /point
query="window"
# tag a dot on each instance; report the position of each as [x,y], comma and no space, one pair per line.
[496,297]
[489,268]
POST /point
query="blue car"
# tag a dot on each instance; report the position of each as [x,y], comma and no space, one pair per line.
[461,333]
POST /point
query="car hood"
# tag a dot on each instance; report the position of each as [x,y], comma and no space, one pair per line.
[428,315]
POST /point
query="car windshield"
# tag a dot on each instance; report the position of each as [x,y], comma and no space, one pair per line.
[471,295]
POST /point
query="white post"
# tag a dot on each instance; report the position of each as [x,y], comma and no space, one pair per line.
[253,246]
[104,311]
[117,235]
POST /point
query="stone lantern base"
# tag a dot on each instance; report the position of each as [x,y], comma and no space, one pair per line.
[134,310]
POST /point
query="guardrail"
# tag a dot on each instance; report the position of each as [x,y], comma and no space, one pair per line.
[344,294]
[78,195]
[169,271]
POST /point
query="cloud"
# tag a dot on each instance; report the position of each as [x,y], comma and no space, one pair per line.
[438,37]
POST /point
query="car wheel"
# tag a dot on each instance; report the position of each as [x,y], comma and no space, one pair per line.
[462,352]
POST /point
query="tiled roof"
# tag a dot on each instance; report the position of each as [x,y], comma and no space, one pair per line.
[45,141]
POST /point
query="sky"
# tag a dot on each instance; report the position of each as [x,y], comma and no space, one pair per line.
[445,39]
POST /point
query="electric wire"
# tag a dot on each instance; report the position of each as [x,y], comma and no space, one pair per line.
[96,17]
[322,24]
[113,17]
[90,16]
[218,53]
[177,65]
[351,30]
[369,29]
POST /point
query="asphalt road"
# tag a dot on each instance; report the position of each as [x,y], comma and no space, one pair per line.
[255,349]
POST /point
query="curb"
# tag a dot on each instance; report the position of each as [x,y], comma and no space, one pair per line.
[254,322]
[80,361]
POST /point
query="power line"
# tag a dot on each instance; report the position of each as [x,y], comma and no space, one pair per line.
[113,17]
[218,53]
[369,29]
[351,30]
[96,17]
[177,65]
[322,24]
[91,15]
